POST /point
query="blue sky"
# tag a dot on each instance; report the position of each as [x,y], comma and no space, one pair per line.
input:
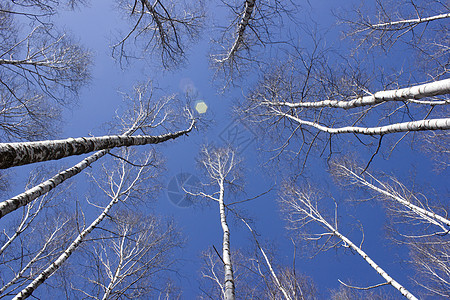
[94,25]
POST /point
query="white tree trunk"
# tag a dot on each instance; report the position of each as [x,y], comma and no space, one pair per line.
[29,195]
[26,197]
[306,210]
[411,94]
[269,265]
[229,277]
[26,292]
[248,10]
[17,154]
[377,268]
[409,22]
[423,213]
[120,194]
[431,124]
[30,264]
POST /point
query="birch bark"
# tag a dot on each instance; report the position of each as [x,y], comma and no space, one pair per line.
[17,154]
[431,124]
[26,292]
[405,23]
[121,193]
[26,197]
[304,210]
[410,94]
[376,267]
[219,162]
[247,14]
[429,216]
[229,278]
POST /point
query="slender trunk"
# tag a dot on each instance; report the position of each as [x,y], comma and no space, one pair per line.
[410,94]
[121,193]
[377,268]
[248,10]
[269,265]
[116,275]
[310,210]
[26,197]
[17,154]
[26,292]
[435,218]
[382,26]
[31,262]
[431,124]
[229,277]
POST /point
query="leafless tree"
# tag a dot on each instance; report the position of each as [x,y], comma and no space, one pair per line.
[303,211]
[221,166]
[41,67]
[416,208]
[255,25]
[13,153]
[162,28]
[25,255]
[418,222]
[257,276]
[123,181]
[256,273]
[311,99]
[130,258]
[420,25]
[346,293]
[142,114]
[316,95]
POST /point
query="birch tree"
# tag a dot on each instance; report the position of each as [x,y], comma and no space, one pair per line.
[307,103]
[315,97]
[39,67]
[142,114]
[221,166]
[17,154]
[256,270]
[159,28]
[303,210]
[255,25]
[130,258]
[420,223]
[418,25]
[416,208]
[122,183]
[27,252]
